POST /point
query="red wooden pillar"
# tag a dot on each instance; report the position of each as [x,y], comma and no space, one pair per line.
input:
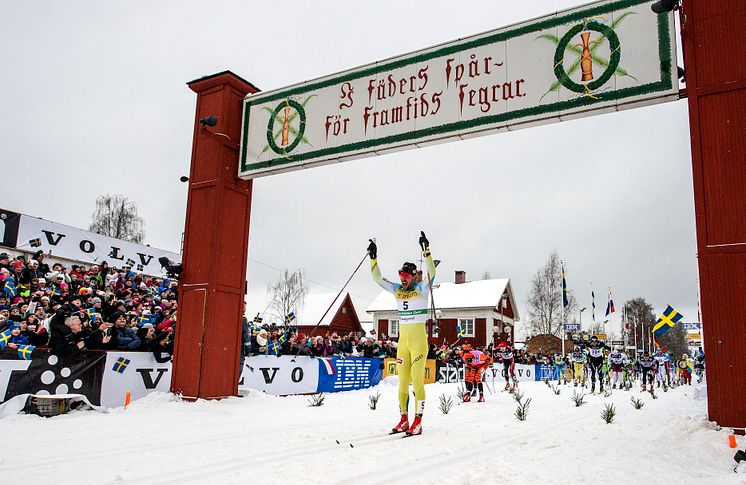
[216,240]
[715,63]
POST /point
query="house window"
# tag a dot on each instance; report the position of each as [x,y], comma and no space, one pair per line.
[468,325]
[393,328]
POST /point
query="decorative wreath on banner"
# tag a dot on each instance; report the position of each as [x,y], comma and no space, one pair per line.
[559,55]
[271,127]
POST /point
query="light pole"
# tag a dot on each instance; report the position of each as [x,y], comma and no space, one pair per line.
[580,317]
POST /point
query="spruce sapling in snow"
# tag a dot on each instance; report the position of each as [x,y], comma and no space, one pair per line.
[316,400]
[373,398]
[637,403]
[652,393]
[518,396]
[578,399]
[460,393]
[521,412]
[608,413]
[446,403]
[556,390]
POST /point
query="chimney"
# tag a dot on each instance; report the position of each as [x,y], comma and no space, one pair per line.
[460,277]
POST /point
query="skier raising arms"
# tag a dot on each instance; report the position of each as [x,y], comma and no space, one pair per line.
[412,301]
[505,354]
[664,361]
[596,361]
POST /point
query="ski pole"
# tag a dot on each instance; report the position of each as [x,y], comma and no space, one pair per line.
[332,303]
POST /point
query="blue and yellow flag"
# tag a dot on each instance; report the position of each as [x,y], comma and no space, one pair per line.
[130,262]
[120,365]
[290,317]
[35,243]
[460,331]
[10,289]
[4,337]
[666,321]
[140,267]
[565,299]
[24,351]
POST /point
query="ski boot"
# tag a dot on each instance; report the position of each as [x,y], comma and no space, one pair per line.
[416,427]
[593,386]
[644,388]
[614,386]
[402,426]
[481,398]
[575,384]
[507,386]
[467,397]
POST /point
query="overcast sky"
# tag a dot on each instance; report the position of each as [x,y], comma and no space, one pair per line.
[94,101]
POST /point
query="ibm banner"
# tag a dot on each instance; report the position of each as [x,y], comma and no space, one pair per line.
[286,375]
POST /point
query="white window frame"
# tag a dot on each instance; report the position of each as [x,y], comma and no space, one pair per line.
[463,323]
[393,328]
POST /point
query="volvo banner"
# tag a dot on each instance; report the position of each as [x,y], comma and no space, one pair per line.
[30,234]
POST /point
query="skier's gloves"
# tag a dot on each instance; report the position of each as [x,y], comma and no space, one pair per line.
[372,249]
[424,243]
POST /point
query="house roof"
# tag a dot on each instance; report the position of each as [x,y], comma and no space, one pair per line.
[447,295]
[315,305]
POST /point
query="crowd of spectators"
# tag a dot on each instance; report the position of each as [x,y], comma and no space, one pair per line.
[96,307]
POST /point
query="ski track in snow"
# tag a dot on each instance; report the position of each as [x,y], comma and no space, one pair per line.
[263,439]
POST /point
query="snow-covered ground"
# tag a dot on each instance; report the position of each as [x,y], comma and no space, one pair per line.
[265,439]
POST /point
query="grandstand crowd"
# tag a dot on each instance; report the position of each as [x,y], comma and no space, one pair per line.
[95,307]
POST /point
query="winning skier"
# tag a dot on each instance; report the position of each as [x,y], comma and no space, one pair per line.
[412,300]
[648,368]
[618,360]
[578,360]
[596,361]
[476,363]
[505,353]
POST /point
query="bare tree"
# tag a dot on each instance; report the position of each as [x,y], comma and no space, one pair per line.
[675,342]
[288,293]
[640,313]
[545,310]
[116,216]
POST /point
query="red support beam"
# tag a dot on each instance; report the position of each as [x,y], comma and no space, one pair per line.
[715,63]
[216,240]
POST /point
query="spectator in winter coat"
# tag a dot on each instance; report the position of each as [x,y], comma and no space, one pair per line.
[162,347]
[16,338]
[67,334]
[126,339]
[35,332]
[368,348]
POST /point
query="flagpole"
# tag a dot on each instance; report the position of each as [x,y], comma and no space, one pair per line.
[562,303]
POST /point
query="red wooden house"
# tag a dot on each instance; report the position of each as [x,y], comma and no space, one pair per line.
[341,317]
[486,309]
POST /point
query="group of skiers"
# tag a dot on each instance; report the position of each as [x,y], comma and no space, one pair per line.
[614,367]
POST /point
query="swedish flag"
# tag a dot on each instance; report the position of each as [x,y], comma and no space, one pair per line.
[460,331]
[565,299]
[91,312]
[275,346]
[24,351]
[120,365]
[10,289]
[35,243]
[140,267]
[54,291]
[143,319]
[666,321]
[4,337]
[130,262]
[290,317]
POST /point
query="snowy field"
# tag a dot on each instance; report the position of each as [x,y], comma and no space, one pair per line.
[264,439]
